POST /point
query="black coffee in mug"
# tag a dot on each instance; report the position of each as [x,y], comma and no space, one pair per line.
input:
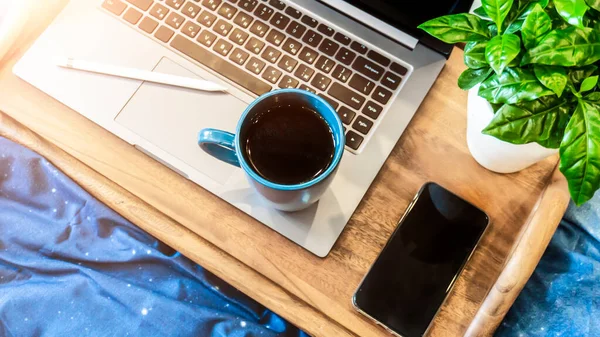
[289,144]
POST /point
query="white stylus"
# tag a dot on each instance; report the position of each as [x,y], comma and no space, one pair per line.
[136,74]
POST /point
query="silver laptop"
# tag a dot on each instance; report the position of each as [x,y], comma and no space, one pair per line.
[365,57]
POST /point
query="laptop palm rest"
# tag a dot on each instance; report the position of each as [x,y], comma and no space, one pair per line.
[170,118]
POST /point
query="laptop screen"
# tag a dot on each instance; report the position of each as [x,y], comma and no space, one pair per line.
[406,15]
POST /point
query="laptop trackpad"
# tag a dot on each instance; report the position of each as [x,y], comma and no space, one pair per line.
[170,118]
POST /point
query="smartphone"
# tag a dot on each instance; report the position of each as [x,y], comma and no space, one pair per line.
[420,263]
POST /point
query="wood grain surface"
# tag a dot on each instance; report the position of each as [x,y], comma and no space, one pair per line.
[311,292]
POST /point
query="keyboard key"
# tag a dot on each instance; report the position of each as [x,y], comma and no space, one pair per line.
[288,82]
[190,10]
[291,46]
[148,25]
[219,65]
[347,96]
[277,4]
[375,56]
[341,73]
[296,29]
[329,47]
[164,34]
[272,75]
[325,30]
[175,20]
[211,4]
[222,27]
[132,16]
[175,3]
[391,80]
[207,38]
[398,69]
[259,28]
[239,56]
[304,73]
[353,140]
[159,11]
[255,65]
[307,20]
[255,45]
[248,5]
[143,4]
[321,82]
[280,21]
[368,68]
[382,95]
[308,55]
[264,12]
[362,125]
[359,48]
[223,47]
[114,6]
[312,38]
[346,115]
[206,18]
[227,11]
[345,56]
[275,37]
[238,36]
[341,38]
[361,84]
[271,54]
[190,29]
[324,64]
[293,13]
[307,88]
[372,109]
[331,102]
[287,63]
[243,20]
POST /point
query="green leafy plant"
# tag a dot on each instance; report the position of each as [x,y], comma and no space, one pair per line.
[536,62]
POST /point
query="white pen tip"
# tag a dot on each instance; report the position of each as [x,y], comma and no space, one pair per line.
[65,62]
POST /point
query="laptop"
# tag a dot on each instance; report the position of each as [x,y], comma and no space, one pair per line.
[365,57]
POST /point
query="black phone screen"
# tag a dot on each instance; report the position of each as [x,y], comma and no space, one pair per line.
[418,266]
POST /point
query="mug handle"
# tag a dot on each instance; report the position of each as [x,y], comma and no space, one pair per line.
[219,144]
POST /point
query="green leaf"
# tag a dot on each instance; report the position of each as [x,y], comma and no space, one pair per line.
[481,12]
[594,97]
[552,77]
[519,13]
[589,84]
[577,75]
[580,152]
[457,28]
[595,4]
[475,55]
[501,50]
[567,47]
[513,86]
[528,122]
[471,77]
[537,24]
[497,10]
[572,11]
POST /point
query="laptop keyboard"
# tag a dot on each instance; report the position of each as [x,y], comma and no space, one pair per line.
[264,45]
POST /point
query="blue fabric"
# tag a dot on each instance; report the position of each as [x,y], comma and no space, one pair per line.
[70,266]
[562,298]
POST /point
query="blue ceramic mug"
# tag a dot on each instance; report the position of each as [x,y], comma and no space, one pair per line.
[229,148]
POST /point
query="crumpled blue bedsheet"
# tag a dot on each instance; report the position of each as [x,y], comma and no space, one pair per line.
[70,266]
[562,298]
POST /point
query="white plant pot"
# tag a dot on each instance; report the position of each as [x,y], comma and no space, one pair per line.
[492,153]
